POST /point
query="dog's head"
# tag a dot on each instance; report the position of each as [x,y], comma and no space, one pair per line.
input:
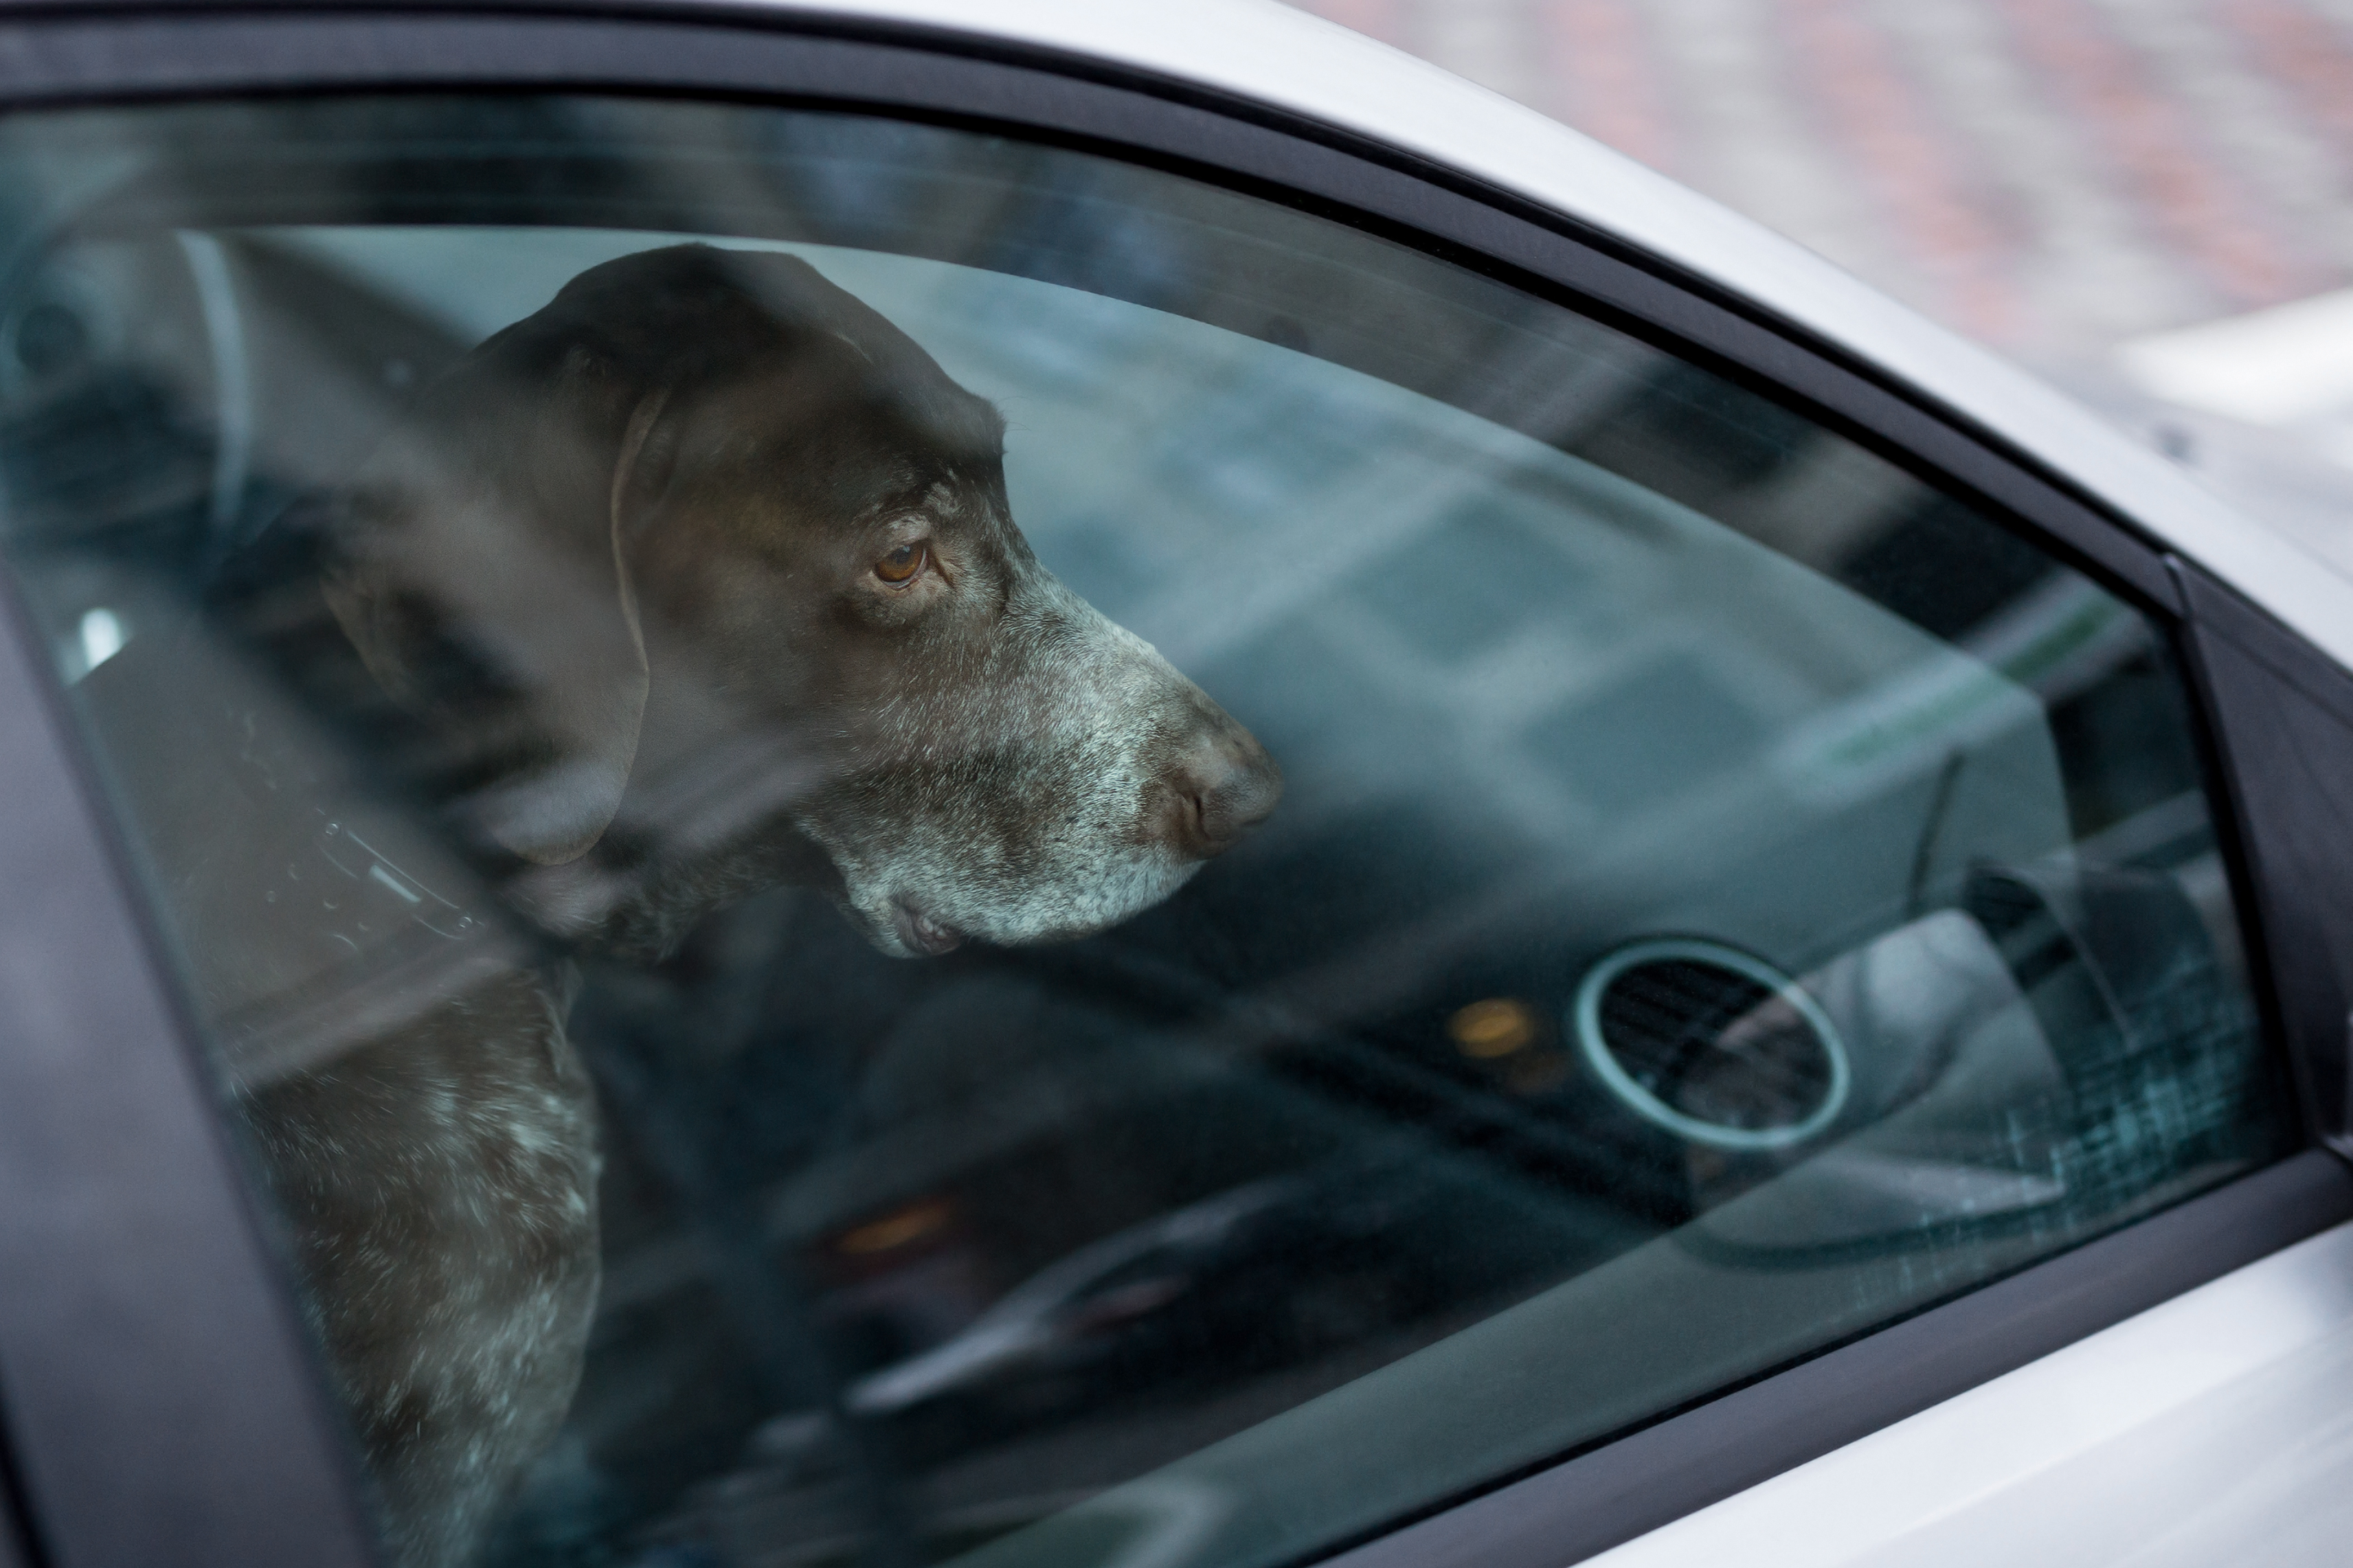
[707,563]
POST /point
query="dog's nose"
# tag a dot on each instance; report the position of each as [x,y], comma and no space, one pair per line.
[1225,785]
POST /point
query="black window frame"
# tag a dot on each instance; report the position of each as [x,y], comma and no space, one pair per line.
[202,1435]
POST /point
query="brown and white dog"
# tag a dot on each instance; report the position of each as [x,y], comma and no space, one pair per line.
[700,580]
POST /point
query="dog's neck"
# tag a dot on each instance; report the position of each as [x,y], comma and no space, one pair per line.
[637,899]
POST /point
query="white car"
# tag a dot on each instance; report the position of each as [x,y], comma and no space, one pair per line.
[1794,1007]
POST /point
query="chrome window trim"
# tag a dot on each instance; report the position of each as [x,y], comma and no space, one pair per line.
[78,54]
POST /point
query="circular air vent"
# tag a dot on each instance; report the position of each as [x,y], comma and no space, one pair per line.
[1711,1043]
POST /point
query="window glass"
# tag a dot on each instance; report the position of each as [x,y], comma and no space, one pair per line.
[901,848]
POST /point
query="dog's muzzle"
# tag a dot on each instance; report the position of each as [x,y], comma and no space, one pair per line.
[1222,785]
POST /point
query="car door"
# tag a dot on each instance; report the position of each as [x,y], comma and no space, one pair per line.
[1784,908]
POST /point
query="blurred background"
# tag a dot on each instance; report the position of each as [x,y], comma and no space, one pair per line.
[2148,202]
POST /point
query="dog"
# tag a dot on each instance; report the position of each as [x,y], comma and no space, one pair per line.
[700,580]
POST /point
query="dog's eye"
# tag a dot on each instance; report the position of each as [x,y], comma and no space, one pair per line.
[900,564]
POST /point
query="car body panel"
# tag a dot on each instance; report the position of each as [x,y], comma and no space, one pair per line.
[2284,1318]
[2214,1428]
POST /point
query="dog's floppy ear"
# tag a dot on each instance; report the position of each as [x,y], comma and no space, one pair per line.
[483,575]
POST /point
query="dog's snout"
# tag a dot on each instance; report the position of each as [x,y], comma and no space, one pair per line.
[1224,785]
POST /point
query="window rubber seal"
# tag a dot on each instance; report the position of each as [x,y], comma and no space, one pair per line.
[2282,721]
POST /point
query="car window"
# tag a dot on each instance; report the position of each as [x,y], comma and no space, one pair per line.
[899,847]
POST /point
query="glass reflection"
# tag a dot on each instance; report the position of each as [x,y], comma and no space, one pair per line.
[1351,1175]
